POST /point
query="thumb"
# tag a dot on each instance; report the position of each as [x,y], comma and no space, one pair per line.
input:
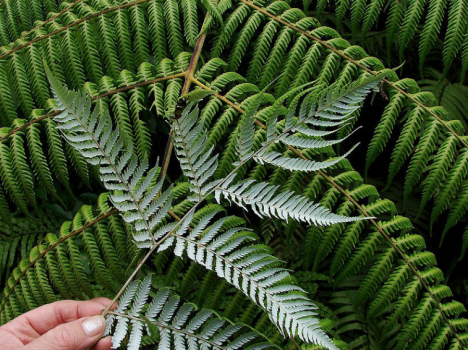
[76,335]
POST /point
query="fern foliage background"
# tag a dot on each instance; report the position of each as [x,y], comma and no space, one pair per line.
[199,162]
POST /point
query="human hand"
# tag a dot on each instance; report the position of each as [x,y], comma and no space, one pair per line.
[63,325]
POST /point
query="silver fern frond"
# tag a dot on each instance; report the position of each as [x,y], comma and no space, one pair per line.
[267,201]
[138,196]
[247,129]
[144,204]
[251,269]
[311,108]
[297,164]
[177,325]
[192,151]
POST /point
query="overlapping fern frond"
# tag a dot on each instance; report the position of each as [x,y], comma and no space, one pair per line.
[19,236]
[141,201]
[317,109]
[84,257]
[449,95]
[435,151]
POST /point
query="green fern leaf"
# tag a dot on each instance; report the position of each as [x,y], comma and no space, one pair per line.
[431,28]
[425,147]
[438,169]
[384,129]
[405,142]
[457,24]
[171,12]
[411,19]
[213,10]
[451,185]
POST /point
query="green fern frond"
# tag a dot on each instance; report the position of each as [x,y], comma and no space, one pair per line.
[420,160]
[405,142]
[456,30]
[451,184]
[434,19]
[9,180]
[402,22]
[438,169]
[385,128]
[408,28]
[66,265]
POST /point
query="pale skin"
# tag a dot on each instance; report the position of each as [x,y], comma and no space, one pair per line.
[63,325]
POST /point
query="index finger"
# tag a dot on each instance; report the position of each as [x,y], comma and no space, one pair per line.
[49,316]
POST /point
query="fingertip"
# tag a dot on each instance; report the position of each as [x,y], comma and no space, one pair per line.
[93,326]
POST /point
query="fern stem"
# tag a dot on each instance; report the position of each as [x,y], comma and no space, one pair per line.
[142,261]
[189,74]
[132,276]
[221,97]
[357,63]
[295,343]
[360,208]
[25,125]
[142,83]
[167,157]
[127,316]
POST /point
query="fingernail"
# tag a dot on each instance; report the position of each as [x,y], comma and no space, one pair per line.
[94,325]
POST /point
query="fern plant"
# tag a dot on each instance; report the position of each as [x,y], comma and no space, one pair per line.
[254,98]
